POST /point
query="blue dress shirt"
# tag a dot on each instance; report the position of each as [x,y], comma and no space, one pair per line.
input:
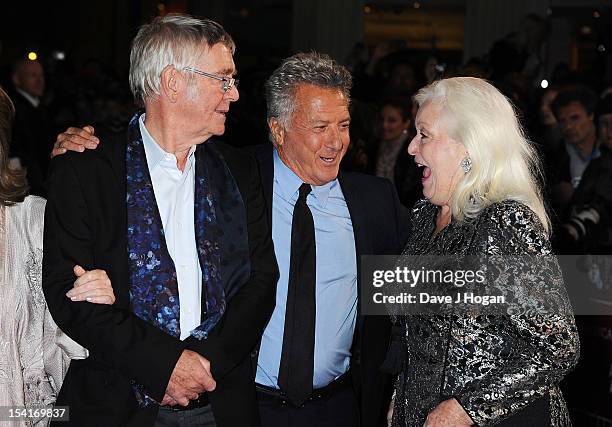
[336,278]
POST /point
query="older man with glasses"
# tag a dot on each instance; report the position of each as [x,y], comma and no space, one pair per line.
[180,228]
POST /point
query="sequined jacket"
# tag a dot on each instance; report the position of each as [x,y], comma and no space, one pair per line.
[502,369]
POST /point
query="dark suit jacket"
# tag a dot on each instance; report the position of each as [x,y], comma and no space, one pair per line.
[85,224]
[32,141]
[381,227]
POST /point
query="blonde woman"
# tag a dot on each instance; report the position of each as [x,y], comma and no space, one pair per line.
[482,200]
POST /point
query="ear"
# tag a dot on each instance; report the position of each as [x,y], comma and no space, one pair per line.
[278,132]
[171,83]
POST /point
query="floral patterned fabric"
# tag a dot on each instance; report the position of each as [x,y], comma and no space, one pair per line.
[154,292]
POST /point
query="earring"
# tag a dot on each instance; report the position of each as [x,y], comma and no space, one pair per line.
[466,164]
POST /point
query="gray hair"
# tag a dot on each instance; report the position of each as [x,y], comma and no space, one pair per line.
[303,68]
[176,40]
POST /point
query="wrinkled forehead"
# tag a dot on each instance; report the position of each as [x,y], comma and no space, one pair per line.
[216,59]
[435,115]
[314,99]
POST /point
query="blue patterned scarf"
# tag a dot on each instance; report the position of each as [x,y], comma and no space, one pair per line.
[154,293]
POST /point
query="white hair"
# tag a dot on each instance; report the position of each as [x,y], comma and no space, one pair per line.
[505,166]
[177,40]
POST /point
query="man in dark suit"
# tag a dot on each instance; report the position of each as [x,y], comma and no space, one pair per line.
[320,367]
[181,230]
[349,215]
[32,129]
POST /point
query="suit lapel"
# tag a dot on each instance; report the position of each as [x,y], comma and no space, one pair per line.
[265,159]
[363,243]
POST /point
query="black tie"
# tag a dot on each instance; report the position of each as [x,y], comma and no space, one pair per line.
[297,358]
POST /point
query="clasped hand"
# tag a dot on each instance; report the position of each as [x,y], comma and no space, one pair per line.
[190,377]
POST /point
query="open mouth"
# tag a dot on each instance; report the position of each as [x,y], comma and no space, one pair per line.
[328,160]
[426,171]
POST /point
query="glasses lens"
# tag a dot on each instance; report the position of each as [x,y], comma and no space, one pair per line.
[229,83]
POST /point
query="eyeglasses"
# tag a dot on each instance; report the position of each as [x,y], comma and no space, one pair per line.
[228,83]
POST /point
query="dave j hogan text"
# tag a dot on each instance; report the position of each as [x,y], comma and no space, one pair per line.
[426,298]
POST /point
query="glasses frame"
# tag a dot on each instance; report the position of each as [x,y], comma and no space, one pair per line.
[228,83]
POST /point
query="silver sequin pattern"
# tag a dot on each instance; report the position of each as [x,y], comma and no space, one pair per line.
[494,365]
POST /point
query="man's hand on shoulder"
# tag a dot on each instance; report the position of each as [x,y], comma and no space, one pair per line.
[190,377]
[75,139]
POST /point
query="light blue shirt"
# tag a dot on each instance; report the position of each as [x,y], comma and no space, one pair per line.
[336,278]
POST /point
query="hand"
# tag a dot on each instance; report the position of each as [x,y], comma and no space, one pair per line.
[168,401]
[190,377]
[448,414]
[92,286]
[75,139]
[390,413]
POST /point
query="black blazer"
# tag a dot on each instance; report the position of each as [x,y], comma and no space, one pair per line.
[381,226]
[85,224]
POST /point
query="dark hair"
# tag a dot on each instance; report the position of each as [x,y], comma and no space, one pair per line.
[582,94]
[13,184]
[403,105]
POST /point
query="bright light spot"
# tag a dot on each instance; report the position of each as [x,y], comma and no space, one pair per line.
[544,84]
[59,55]
[596,14]
[32,56]
[586,30]
[417,5]
[601,48]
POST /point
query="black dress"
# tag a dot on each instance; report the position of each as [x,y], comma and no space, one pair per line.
[502,369]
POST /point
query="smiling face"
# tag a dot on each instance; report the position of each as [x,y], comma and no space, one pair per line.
[437,153]
[317,135]
[393,124]
[204,106]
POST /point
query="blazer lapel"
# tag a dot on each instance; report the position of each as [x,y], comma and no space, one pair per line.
[264,156]
[363,243]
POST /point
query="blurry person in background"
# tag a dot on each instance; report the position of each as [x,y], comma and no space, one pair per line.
[402,80]
[574,110]
[587,226]
[32,130]
[393,161]
[34,353]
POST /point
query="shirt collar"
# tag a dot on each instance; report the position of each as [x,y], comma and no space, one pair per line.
[31,99]
[155,154]
[595,153]
[288,183]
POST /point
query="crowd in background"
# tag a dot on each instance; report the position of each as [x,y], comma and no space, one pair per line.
[569,121]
